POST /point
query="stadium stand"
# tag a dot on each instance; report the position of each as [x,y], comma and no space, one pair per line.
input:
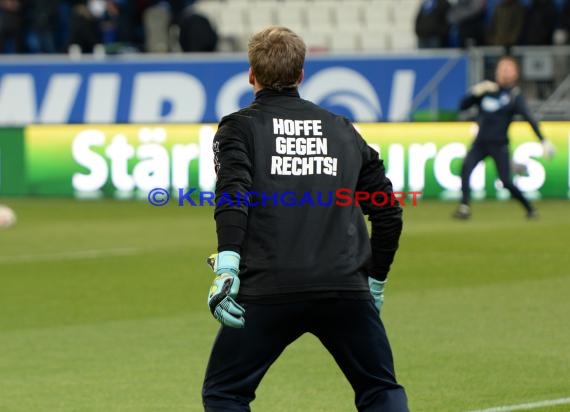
[334,25]
[327,25]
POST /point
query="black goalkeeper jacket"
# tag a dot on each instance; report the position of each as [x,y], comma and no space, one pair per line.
[496,112]
[279,165]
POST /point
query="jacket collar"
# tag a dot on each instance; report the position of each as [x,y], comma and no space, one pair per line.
[291,92]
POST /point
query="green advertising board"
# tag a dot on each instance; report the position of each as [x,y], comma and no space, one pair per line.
[118,160]
[126,161]
[427,157]
[12,164]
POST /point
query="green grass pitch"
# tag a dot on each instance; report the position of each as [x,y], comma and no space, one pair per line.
[103,308]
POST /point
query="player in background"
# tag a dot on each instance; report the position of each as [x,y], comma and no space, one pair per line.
[497,103]
[286,271]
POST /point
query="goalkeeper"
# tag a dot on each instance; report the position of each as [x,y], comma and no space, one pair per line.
[497,102]
[286,271]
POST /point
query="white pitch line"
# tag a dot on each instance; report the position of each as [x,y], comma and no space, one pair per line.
[526,406]
[77,254]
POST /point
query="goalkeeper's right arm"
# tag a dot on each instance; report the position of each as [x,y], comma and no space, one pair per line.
[484,87]
[476,93]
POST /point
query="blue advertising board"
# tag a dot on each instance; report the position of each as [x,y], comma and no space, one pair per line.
[192,90]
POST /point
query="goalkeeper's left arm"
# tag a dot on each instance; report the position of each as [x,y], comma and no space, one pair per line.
[233,170]
[386,221]
[522,108]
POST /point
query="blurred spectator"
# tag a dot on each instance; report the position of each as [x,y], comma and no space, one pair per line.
[156,20]
[565,21]
[12,37]
[126,22]
[43,18]
[507,23]
[540,22]
[196,32]
[431,24]
[109,24]
[178,6]
[84,24]
[469,17]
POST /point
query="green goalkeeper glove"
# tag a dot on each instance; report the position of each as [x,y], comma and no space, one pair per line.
[224,289]
[377,291]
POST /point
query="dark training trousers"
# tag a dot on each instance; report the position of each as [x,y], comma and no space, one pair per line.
[500,155]
[351,331]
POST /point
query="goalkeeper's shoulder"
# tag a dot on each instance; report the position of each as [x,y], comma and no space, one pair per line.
[235,128]
[236,120]
[484,87]
[241,116]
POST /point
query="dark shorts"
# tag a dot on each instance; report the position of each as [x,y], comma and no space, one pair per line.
[350,330]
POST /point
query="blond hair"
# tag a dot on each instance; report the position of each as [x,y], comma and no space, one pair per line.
[276,56]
